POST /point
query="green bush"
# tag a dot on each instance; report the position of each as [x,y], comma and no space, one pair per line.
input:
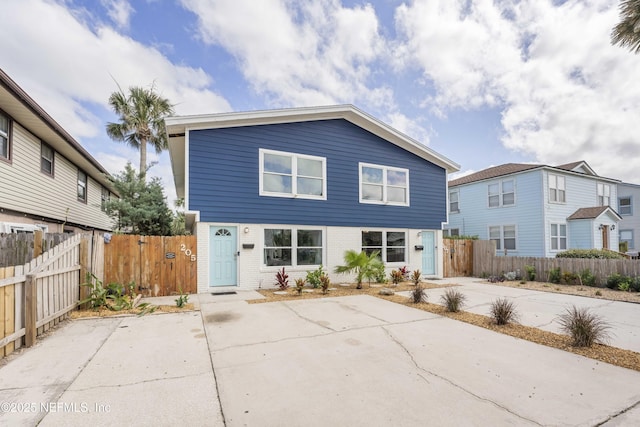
[555,275]
[585,328]
[379,276]
[461,237]
[313,277]
[589,253]
[635,284]
[623,247]
[530,272]
[615,280]
[569,278]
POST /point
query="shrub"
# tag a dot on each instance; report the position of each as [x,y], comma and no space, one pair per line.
[624,286]
[182,300]
[496,279]
[299,285]
[418,294]
[530,272]
[554,275]
[416,277]
[453,300]
[405,272]
[503,311]
[511,276]
[463,237]
[635,284]
[313,277]
[587,278]
[364,265]
[378,274]
[584,327]
[282,280]
[616,279]
[324,284]
[396,276]
[623,247]
[570,278]
[589,253]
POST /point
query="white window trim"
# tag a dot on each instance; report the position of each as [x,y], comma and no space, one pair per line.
[502,249]
[84,184]
[500,194]
[7,136]
[385,169]
[603,186]
[557,188]
[632,242]
[294,176]
[383,253]
[294,248]
[558,237]
[630,205]
[449,201]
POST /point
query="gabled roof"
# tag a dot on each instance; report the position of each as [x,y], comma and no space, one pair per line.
[593,213]
[23,109]
[581,167]
[177,127]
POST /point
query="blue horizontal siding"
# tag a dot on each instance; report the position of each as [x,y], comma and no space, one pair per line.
[224,181]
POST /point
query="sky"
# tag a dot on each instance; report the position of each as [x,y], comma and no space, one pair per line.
[481,82]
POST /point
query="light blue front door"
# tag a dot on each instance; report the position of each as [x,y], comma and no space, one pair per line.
[223,256]
[429,253]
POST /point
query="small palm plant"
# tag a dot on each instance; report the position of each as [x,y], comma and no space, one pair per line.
[362,264]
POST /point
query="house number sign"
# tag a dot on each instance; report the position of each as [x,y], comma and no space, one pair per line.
[187,252]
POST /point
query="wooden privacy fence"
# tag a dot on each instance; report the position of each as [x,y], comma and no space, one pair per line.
[40,293]
[158,265]
[485,262]
[18,248]
[458,257]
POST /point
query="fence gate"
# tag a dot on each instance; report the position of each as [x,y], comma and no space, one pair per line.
[159,265]
[458,258]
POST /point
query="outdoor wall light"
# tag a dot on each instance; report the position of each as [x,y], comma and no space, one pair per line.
[601,227]
[246,230]
[613,227]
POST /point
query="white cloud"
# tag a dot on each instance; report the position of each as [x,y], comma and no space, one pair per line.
[119,11]
[566,94]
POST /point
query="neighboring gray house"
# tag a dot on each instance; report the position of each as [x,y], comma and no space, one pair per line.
[536,210]
[48,181]
[629,210]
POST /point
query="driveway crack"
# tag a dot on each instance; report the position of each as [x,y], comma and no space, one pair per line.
[484,399]
[617,414]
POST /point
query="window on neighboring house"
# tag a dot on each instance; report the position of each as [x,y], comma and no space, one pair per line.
[604,194]
[504,236]
[624,206]
[627,236]
[82,186]
[558,237]
[292,247]
[5,138]
[384,185]
[392,245]
[502,193]
[47,159]
[449,232]
[557,192]
[292,175]
[104,198]
[454,203]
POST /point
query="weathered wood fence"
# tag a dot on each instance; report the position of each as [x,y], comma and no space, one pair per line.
[39,294]
[458,257]
[18,248]
[485,262]
[158,265]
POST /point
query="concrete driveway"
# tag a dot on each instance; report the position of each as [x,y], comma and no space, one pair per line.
[351,361]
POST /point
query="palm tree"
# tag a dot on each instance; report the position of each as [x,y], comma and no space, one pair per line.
[627,32]
[364,265]
[142,112]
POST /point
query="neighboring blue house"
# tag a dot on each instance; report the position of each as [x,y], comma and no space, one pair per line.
[536,210]
[298,187]
[629,210]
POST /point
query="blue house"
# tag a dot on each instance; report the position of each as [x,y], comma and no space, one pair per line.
[536,210]
[296,188]
[629,210]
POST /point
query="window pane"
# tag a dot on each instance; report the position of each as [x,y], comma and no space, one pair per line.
[563,243]
[311,186]
[563,230]
[395,238]
[507,187]
[309,256]
[494,232]
[309,238]
[371,175]
[453,197]
[554,244]
[455,232]
[277,237]
[493,189]
[277,163]
[552,181]
[626,235]
[277,256]
[554,229]
[369,251]
[509,231]
[494,201]
[396,178]
[4,147]
[508,199]
[395,254]
[309,167]
[372,238]
[510,243]
[561,194]
[276,183]
[395,194]
[371,192]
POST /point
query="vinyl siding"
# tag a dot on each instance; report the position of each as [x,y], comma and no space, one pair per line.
[224,177]
[631,222]
[24,188]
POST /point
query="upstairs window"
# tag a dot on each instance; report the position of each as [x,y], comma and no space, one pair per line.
[47,159]
[5,139]
[502,193]
[557,192]
[384,185]
[604,194]
[105,197]
[454,203]
[624,206]
[292,175]
[82,186]
[451,232]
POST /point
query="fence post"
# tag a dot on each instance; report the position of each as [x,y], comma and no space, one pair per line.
[30,310]
[37,244]
[84,269]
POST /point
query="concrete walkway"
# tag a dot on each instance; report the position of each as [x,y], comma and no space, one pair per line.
[356,361]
